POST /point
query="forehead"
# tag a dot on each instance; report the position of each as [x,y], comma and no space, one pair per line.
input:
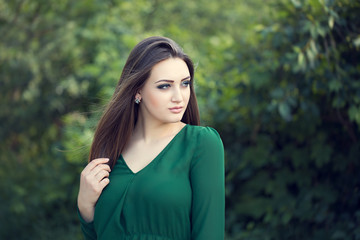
[170,69]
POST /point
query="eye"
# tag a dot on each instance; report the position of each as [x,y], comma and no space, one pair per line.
[185,83]
[163,86]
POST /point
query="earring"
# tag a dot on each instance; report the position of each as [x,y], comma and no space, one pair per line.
[137,100]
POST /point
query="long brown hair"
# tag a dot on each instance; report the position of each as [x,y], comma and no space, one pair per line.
[119,118]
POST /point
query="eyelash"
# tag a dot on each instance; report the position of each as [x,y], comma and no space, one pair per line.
[166,86]
[186,83]
[163,86]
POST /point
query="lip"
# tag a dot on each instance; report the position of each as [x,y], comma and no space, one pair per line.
[176,109]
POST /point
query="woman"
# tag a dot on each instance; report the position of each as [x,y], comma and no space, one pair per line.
[153,173]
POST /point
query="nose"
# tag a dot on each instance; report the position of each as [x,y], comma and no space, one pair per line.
[176,96]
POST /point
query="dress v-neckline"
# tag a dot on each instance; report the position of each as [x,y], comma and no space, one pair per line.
[157,156]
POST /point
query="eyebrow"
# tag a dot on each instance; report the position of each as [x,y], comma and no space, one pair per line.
[167,80]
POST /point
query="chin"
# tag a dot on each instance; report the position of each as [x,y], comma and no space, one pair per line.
[174,119]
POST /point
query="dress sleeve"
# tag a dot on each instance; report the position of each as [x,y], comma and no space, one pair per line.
[87,228]
[208,187]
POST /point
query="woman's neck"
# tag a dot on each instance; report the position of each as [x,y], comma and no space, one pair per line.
[149,131]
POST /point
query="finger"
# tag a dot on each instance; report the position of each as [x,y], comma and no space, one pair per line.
[101,175]
[104,182]
[93,164]
[98,169]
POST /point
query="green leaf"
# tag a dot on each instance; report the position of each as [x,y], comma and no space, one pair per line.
[285,111]
[354,114]
[331,22]
[356,41]
[335,85]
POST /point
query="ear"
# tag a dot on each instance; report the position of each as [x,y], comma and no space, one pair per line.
[138,95]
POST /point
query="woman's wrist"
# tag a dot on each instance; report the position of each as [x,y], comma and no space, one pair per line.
[86,211]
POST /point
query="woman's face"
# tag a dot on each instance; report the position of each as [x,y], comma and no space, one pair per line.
[166,92]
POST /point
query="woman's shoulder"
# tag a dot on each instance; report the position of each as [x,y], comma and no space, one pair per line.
[206,142]
[203,133]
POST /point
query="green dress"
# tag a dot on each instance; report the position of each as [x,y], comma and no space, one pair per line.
[180,195]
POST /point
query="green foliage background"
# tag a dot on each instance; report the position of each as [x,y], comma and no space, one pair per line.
[279,80]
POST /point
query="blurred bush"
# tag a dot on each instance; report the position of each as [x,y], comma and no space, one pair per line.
[278,79]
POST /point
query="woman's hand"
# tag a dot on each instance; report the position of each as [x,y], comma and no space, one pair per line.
[93,179]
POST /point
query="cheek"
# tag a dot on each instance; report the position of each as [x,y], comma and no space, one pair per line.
[155,100]
[186,96]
